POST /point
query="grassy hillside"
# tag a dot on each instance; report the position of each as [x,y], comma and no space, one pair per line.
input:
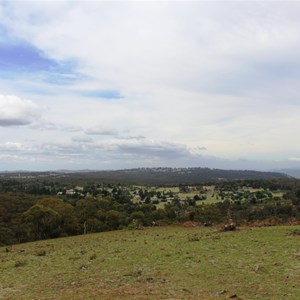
[157,263]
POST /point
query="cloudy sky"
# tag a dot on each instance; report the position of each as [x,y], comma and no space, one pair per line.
[109,85]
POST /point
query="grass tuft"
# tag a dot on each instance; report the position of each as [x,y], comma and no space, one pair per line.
[20,263]
[41,253]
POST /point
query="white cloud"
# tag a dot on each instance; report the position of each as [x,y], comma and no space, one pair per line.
[99,130]
[82,139]
[193,74]
[11,146]
[294,159]
[17,111]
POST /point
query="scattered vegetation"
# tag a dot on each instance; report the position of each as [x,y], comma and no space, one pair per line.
[36,207]
[199,254]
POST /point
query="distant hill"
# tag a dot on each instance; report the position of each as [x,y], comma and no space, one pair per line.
[155,176]
[165,176]
[291,172]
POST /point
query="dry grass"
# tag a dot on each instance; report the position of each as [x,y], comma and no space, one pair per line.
[157,263]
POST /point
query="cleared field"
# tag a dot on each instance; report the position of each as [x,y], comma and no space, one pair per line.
[157,263]
[166,189]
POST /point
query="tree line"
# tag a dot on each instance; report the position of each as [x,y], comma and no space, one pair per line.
[28,216]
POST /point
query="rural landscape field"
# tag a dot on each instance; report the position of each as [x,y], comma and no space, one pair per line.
[149,150]
[171,262]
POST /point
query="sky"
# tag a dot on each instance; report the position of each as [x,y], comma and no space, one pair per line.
[112,85]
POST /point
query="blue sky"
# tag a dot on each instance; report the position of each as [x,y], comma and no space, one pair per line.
[22,57]
[108,85]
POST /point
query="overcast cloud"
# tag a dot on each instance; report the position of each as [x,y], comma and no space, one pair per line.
[17,111]
[106,85]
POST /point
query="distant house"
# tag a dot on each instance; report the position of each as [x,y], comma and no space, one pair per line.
[137,197]
[70,192]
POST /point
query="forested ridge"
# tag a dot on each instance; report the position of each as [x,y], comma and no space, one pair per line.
[157,176]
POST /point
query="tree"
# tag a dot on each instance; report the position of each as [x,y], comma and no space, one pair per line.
[139,216]
[113,219]
[196,198]
[42,222]
[69,219]
[7,236]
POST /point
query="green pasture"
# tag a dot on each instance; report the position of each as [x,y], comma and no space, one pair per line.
[157,263]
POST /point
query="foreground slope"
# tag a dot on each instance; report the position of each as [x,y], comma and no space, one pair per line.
[157,263]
